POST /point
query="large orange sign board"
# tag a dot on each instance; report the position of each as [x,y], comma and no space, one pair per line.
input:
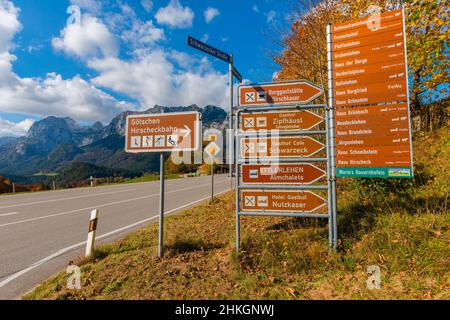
[384,19]
[291,173]
[279,147]
[279,120]
[278,93]
[369,69]
[281,201]
[163,132]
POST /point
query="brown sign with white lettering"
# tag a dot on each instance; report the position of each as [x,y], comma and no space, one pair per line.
[277,173]
[280,147]
[281,201]
[163,132]
[278,93]
[282,121]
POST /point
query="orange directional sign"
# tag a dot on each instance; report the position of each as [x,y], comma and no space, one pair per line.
[291,173]
[372,37]
[163,132]
[279,147]
[282,121]
[371,112]
[369,69]
[278,93]
[368,51]
[369,60]
[281,201]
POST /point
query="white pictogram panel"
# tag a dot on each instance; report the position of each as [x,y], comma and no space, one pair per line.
[249,201]
[261,122]
[147,141]
[250,97]
[249,122]
[172,140]
[160,141]
[135,141]
[253,174]
[263,201]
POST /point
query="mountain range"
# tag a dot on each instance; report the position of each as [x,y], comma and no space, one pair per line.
[52,145]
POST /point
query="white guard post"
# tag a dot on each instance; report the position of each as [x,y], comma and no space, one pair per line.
[91,234]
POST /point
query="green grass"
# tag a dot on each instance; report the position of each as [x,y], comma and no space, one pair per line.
[50,174]
[403,226]
[147,178]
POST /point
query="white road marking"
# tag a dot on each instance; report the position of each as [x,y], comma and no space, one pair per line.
[62,199]
[8,214]
[100,206]
[75,246]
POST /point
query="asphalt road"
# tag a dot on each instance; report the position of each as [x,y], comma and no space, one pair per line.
[41,232]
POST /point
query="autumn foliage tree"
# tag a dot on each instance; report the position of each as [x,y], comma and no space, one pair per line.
[304,54]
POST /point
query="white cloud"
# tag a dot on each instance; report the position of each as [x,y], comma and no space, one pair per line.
[270,15]
[182,59]
[55,96]
[153,79]
[88,39]
[49,96]
[142,34]
[14,129]
[132,30]
[275,75]
[147,5]
[205,37]
[9,24]
[255,8]
[91,6]
[175,15]
[210,14]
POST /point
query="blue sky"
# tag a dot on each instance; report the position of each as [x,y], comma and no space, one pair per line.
[121,55]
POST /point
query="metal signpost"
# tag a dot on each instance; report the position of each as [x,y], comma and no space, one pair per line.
[212,150]
[233,72]
[164,132]
[368,81]
[277,140]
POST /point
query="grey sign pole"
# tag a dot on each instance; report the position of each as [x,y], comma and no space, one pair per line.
[212,179]
[14,187]
[332,135]
[237,178]
[232,141]
[197,44]
[161,206]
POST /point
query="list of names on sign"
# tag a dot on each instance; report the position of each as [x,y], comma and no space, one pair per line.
[371,97]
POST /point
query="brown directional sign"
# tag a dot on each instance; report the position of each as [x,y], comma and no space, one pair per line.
[370,89]
[281,201]
[279,147]
[290,173]
[372,37]
[369,51]
[369,60]
[278,93]
[371,112]
[365,60]
[279,120]
[163,132]
[380,69]
[374,22]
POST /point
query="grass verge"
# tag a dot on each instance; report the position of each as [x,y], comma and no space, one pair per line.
[402,226]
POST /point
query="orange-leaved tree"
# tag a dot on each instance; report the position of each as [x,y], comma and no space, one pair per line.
[304,53]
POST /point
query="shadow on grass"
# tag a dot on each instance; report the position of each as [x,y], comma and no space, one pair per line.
[297,223]
[190,245]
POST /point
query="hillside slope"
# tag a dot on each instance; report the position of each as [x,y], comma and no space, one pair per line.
[403,226]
